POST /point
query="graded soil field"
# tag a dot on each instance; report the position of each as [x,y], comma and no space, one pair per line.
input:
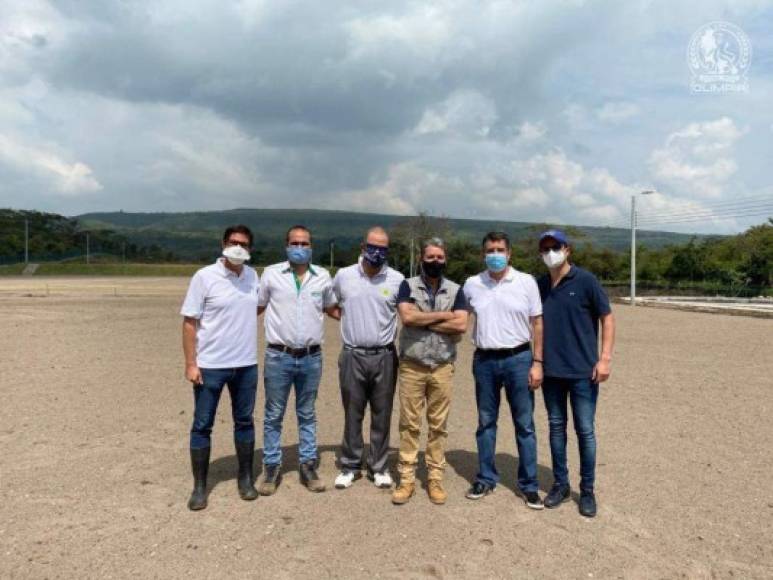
[94,469]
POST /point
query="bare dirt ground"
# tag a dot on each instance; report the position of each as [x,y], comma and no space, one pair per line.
[94,472]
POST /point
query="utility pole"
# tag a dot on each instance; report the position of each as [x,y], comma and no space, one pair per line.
[412,259]
[332,250]
[88,256]
[633,243]
[26,240]
[124,252]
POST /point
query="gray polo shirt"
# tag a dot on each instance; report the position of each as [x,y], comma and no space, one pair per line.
[368,305]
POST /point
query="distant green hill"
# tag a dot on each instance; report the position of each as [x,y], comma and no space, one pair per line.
[195,235]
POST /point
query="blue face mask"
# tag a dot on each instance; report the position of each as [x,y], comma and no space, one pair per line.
[376,256]
[496,262]
[298,254]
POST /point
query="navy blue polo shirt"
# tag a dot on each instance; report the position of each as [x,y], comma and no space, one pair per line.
[570,314]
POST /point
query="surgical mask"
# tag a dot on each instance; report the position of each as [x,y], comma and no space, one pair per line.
[496,262]
[433,269]
[376,256]
[236,255]
[298,254]
[554,258]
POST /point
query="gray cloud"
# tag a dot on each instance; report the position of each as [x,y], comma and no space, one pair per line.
[514,109]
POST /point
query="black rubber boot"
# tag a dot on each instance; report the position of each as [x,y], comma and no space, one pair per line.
[199,466]
[245,480]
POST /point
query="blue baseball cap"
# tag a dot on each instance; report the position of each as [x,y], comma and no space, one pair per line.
[557,235]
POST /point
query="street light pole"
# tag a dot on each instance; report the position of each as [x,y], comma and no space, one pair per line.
[26,240]
[633,243]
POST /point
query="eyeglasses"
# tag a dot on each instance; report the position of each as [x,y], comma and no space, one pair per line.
[244,245]
[546,249]
[303,244]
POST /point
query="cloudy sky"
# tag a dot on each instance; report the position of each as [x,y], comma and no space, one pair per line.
[522,110]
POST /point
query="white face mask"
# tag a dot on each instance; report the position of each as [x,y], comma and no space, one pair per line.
[236,255]
[554,258]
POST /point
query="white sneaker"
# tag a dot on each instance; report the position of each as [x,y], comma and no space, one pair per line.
[382,480]
[346,478]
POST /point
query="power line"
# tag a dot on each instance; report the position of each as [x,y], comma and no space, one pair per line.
[702,218]
[710,210]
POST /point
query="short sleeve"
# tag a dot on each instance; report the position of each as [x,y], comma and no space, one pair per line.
[193,305]
[599,298]
[264,290]
[535,302]
[460,302]
[466,289]
[404,293]
[329,297]
[337,287]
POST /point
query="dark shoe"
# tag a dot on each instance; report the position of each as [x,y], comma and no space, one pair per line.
[532,500]
[309,476]
[478,490]
[271,479]
[199,467]
[245,480]
[557,495]
[587,503]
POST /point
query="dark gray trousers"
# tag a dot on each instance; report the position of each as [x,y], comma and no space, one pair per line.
[366,379]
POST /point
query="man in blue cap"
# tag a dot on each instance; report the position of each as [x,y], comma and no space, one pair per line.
[573,305]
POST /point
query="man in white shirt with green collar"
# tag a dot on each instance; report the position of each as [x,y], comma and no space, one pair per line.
[294,296]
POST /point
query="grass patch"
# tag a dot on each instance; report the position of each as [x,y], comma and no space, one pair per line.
[81,269]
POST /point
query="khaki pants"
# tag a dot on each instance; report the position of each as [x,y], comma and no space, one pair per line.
[422,386]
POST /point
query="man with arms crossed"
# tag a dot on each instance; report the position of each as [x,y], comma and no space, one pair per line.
[220,342]
[573,303]
[367,297]
[508,315]
[294,295]
[434,315]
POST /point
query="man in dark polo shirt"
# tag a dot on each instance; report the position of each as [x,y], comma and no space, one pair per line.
[573,304]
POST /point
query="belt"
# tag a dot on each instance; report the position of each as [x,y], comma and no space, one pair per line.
[371,349]
[296,352]
[505,351]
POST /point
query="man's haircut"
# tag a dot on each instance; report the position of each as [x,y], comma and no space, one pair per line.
[433,243]
[297,227]
[374,230]
[237,229]
[496,237]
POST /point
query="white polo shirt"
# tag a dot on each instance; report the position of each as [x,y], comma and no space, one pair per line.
[502,309]
[226,306]
[369,305]
[294,314]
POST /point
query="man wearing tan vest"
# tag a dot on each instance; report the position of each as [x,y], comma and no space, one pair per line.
[433,311]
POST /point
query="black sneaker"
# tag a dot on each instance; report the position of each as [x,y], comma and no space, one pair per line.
[533,500]
[309,477]
[587,503]
[478,490]
[557,495]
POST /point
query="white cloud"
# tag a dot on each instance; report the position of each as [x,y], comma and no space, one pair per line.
[467,114]
[74,178]
[697,159]
[617,112]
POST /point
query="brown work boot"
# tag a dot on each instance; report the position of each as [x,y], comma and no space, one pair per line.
[403,493]
[437,494]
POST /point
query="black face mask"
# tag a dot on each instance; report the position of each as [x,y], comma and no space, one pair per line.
[433,269]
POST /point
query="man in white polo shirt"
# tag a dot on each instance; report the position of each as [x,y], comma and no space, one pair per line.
[220,343]
[367,297]
[294,295]
[508,315]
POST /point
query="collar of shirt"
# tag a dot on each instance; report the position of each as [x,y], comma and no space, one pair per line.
[489,281]
[381,272]
[568,276]
[226,272]
[288,268]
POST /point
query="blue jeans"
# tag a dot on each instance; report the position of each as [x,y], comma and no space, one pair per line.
[582,394]
[491,372]
[242,385]
[282,370]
